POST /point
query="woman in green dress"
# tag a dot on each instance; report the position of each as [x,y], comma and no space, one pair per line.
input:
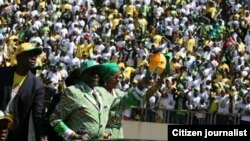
[110,76]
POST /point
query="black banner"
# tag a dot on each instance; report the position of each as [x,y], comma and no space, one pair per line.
[208,132]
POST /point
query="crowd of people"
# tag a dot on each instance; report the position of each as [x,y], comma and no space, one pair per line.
[206,44]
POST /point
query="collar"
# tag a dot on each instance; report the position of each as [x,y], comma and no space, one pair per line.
[86,88]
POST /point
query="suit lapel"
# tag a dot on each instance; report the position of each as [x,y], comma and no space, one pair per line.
[99,99]
[91,99]
[88,95]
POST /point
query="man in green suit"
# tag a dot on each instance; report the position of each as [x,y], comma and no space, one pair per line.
[83,110]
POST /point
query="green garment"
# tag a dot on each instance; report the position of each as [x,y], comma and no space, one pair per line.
[21,34]
[169,57]
[78,108]
[45,30]
[123,100]
[144,10]
[114,125]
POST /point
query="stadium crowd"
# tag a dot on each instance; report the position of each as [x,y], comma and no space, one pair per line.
[206,44]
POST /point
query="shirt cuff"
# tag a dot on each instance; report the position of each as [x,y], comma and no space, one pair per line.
[67,134]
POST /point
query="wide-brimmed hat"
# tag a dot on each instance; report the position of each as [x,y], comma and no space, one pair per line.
[90,64]
[28,47]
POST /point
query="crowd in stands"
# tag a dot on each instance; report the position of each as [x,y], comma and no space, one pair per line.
[206,43]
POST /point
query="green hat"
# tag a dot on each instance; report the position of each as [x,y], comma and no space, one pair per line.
[88,65]
[108,69]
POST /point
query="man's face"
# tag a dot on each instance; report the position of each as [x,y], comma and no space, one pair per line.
[27,59]
[91,78]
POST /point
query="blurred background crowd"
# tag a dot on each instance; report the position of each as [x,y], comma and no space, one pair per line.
[206,44]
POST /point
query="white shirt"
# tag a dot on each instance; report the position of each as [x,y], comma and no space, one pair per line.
[167,103]
[158,11]
[223,104]
[75,62]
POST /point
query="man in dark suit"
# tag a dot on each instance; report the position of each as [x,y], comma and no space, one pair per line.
[22,94]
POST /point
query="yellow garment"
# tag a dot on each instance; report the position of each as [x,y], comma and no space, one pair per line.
[12,40]
[127,38]
[17,2]
[41,59]
[114,59]
[115,22]
[214,106]
[226,81]
[79,50]
[113,13]
[174,13]
[121,65]
[66,6]
[142,62]
[218,78]
[241,47]
[142,24]
[39,62]
[88,49]
[157,40]
[127,72]
[55,37]
[24,13]
[42,4]
[208,43]
[18,79]
[190,44]
[212,11]
[180,41]
[175,67]
[13,60]
[224,66]
[131,10]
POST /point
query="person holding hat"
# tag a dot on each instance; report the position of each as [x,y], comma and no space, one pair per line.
[82,112]
[22,94]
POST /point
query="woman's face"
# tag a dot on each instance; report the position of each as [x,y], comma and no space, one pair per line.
[112,81]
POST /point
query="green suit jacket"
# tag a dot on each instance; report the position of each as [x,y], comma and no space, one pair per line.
[79,109]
